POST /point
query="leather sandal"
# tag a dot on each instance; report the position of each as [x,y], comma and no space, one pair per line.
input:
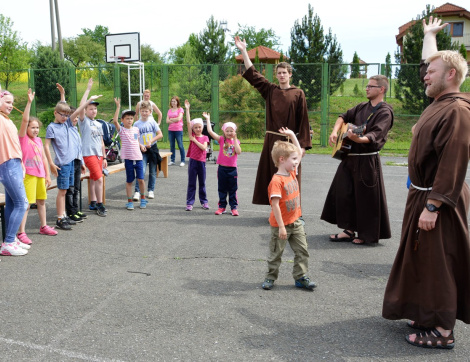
[351,236]
[430,339]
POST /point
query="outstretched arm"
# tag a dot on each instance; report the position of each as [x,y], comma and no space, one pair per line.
[117,101]
[241,45]
[290,134]
[81,109]
[84,98]
[188,117]
[214,135]
[61,91]
[27,110]
[430,32]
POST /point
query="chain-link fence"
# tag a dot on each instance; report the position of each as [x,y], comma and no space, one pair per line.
[330,90]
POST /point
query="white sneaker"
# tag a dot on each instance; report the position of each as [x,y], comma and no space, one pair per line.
[136,196]
[151,195]
[12,249]
[182,164]
[171,163]
[22,245]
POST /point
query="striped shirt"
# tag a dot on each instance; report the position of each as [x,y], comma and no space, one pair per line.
[130,149]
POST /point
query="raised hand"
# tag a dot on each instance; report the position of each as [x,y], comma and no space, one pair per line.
[206,115]
[30,95]
[288,132]
[434,26]
[90,84]
[240,44]
[118,102]
[186,104]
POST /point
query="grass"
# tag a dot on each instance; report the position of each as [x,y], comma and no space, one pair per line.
[399,137]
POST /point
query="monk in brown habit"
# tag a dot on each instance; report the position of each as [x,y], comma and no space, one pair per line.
[430,279]
[356,201]
[285,107]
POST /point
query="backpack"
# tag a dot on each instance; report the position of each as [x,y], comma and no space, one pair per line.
[108,132]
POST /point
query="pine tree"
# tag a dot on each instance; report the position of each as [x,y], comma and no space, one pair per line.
[209,46]
[309,44]
[355,71]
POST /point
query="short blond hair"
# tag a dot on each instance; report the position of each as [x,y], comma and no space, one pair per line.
[453,60]
[382,81]
[282,149]
[145,105]
[62,107]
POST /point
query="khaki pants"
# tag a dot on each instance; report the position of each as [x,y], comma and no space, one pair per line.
[298,243]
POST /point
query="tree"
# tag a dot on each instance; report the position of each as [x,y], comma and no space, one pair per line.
[98,35]
[14,56]
[209,46]
[463,50]
[309,44]
[49,70]
[82,50]
[148,55]
[408,86]
[355,71]
[388,66]
[254,38]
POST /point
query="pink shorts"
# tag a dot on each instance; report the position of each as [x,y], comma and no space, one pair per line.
[95,166]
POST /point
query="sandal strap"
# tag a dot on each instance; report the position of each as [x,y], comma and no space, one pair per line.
[434,336]
[348,233]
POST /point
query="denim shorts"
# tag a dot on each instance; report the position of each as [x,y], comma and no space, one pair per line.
[134,170]
[65,176]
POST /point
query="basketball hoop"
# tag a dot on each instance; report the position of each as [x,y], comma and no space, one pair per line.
[118,57]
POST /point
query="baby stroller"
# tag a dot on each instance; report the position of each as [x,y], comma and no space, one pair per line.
[209,151]
[111,141]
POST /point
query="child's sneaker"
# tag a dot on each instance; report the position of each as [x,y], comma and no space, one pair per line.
[182,164]
[205,206]
[136,196]
[305,282]
[24,238]
[47,230]
[151,195]
[75,217]
[22,245]
[143,203]
[63,224]
[189,207]
[12,249]
[102,211]
[70,221]
[82,215]
[171,163]
[235,212]
[130,206]
[268,284]
[93,206]
[220,211]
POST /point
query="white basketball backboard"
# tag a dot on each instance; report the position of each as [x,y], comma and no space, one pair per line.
[125,46]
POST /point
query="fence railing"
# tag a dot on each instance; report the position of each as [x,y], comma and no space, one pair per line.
[221,90]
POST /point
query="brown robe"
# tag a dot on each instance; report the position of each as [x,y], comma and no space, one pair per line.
[284,108]
[430,279]
[356,199]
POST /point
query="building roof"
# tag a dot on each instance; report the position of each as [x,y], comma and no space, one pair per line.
[264,53]
[443,11]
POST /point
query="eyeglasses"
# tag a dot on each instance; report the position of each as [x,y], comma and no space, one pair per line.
[373,86]
[62,115]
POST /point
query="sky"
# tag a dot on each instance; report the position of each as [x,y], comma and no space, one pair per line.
[366,27]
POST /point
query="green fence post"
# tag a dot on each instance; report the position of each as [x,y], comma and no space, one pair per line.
[31,85]
[324,105]
[165,99]
[117,81]
[73,86]
[269,72]
[215,94]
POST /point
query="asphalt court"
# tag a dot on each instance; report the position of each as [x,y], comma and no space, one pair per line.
[164,284]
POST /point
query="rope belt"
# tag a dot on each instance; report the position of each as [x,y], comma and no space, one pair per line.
[422,188]
[363,154]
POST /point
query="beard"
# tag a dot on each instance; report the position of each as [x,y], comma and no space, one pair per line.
[436,88]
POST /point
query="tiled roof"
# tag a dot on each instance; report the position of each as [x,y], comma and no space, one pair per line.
[448,7]
[264,53]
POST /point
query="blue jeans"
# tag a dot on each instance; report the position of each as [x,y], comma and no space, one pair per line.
[178,135]
[16,203]
[152,173]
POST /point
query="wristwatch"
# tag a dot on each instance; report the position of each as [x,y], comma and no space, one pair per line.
[432,208]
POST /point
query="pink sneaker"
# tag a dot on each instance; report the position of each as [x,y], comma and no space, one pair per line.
[47,230]
[220,211]
[24,238]
[234,212]
[12,249]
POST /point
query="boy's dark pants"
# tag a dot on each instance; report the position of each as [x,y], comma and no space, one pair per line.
[71,197]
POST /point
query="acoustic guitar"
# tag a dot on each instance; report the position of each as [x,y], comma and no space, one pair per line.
[343,143]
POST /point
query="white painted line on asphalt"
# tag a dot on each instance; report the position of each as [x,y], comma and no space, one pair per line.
[62,352]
